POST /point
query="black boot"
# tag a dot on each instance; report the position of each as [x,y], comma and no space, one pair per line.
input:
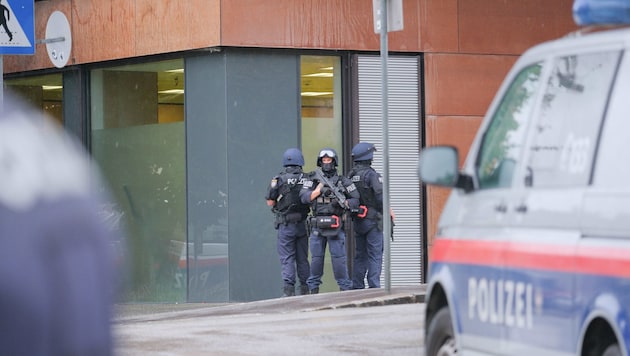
[315,290]
[289,291]
[304,290]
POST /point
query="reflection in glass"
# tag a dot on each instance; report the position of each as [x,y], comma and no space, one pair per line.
[569,122]
[502,142]
[137,121]
[41,91]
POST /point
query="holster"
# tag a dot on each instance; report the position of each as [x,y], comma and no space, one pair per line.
[379,224]
[287,218]
[379,221]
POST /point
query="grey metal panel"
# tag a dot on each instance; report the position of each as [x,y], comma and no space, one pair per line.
[263,106]
[242,112]
[75,107]
[404,145]
[206,161]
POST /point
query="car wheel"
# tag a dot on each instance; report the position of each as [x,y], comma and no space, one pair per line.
[612,350]
[440,336]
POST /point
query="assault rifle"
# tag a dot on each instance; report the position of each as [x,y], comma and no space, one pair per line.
[341,199]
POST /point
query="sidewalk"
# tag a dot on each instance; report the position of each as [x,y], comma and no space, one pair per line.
[131,313]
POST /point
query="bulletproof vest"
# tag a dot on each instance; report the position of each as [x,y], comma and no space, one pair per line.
[359,176]
[289,193]
[326,204]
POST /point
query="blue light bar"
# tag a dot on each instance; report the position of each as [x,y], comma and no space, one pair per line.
[601,12]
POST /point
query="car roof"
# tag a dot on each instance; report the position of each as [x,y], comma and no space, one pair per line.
[584,38]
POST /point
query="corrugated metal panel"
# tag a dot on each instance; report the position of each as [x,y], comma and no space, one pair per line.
[404,145]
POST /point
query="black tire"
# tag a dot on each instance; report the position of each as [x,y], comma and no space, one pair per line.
[612,350]
[440,336]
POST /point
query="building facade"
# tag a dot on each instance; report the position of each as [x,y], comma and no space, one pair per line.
[187,107]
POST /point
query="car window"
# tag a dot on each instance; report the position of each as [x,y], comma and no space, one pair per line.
[569,122]
[504,138]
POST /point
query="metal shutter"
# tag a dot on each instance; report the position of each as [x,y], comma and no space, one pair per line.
[404,145]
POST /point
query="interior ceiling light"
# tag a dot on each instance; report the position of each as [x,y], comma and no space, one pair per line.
[172,91]
[319,75]
[316,93]
[180,70]
[52,87]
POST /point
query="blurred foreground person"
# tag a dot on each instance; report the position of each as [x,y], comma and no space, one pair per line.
[56,271]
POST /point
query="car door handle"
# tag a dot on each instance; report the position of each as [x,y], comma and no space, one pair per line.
[521,208]
[501,208]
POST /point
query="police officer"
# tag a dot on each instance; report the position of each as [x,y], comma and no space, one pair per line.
[283,195]
[368,227]
[330,195]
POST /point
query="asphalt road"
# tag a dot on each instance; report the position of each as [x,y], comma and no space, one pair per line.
[308,325]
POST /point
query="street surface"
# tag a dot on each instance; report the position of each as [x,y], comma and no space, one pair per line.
[377,330]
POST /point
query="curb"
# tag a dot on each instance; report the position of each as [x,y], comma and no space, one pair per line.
[404,299]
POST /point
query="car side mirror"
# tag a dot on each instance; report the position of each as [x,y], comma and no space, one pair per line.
[438,165]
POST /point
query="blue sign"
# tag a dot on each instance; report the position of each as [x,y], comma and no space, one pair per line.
[17,27]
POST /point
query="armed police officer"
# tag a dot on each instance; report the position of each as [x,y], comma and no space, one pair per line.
[330,195]
[368,223]
[283,195]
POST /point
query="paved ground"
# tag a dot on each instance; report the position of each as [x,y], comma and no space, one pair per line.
[358,322]
[130,313]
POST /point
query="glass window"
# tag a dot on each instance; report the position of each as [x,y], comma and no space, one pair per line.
[569,122]
[503,141]
[321,122]
[41,91]
[321,107]
[137,138]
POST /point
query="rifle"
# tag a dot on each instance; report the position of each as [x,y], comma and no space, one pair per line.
[341,199]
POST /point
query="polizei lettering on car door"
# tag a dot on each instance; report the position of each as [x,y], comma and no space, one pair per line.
[504,302]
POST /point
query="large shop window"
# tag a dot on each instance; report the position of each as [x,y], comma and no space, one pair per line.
[41,91]
[137,122]
[321,122]
[321,107]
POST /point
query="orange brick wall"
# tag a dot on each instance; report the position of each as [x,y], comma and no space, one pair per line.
[469,45]
[115,29]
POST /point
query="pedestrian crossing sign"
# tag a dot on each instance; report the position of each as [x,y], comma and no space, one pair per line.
[17,27]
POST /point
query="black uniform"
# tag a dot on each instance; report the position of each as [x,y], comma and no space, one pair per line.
[290,214]
[368,227]
[327,227]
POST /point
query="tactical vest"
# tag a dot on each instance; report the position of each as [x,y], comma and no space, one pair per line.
[326,203]
[358,175]
[289,194]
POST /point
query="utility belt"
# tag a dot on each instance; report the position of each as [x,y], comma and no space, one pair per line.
[325,225]
[288,218]
[325,222]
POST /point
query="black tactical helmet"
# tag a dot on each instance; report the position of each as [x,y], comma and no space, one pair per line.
[293,157]
[327,152]
[363,151]
[328,167]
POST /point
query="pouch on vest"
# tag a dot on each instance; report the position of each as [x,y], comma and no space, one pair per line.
[361,212]
[327,222]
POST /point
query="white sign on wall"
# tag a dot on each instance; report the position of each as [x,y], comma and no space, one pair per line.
[394,15]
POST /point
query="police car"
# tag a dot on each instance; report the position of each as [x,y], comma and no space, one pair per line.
[532,250]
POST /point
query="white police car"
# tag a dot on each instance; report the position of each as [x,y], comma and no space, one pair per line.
[532,252]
